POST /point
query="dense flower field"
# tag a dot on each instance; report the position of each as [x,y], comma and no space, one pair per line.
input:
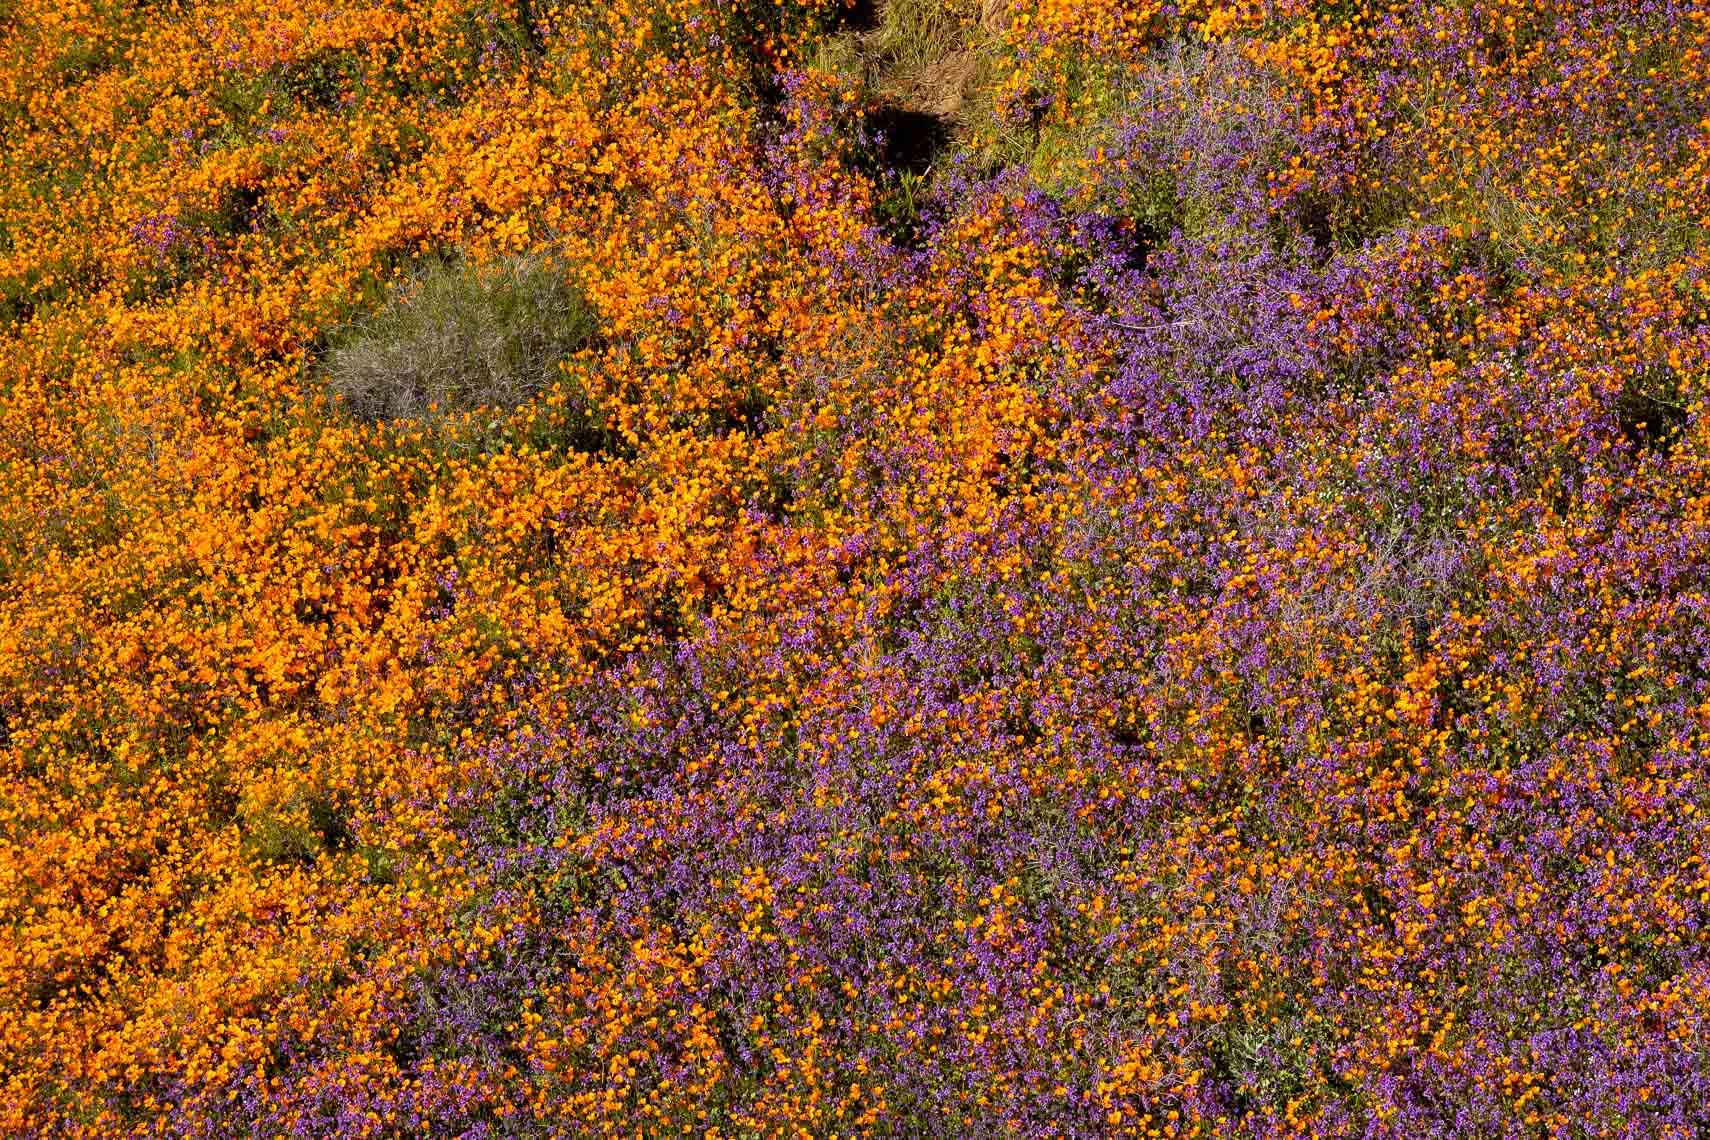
[927,568]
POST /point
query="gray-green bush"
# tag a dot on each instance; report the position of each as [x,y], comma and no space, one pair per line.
[458,337]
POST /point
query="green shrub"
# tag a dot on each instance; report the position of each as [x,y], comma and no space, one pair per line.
[1192,133]
[458,338]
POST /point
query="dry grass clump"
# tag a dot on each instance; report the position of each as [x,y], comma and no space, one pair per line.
[458,337]
[920,56]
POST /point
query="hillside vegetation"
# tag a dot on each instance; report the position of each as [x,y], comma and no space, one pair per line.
[891,568]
